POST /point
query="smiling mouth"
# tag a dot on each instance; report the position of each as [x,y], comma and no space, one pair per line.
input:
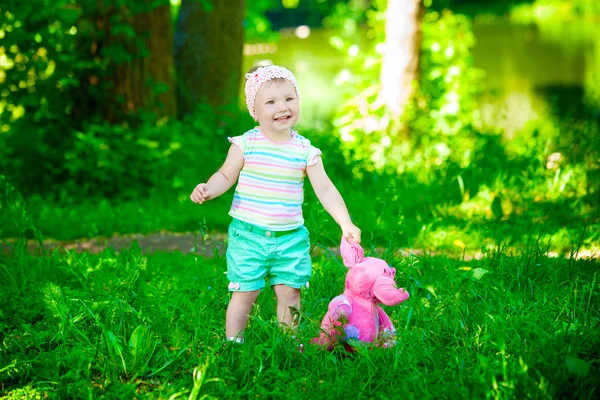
[283,119]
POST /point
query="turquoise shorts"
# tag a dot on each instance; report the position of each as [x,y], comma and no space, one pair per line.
[254,253]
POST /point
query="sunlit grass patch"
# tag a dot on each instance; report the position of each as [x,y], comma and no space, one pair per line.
[509,325]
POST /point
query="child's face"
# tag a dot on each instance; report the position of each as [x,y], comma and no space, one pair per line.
[276,106]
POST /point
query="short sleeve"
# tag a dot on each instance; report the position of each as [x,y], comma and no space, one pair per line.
[313,156]
[239,141]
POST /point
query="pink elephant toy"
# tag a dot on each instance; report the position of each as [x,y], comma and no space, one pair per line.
[354,315]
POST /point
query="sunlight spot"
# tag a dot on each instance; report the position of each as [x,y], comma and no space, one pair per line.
[303,31]
[553,160]
[336,42]
[301,66]
[18,112]
[371,125]
[459,243]
[265,62]
[346,135]
[343,77]
[290,3]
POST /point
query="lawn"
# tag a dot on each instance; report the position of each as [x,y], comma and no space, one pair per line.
[134,325]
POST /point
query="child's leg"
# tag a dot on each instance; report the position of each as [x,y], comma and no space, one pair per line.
[238,311]
[287,297]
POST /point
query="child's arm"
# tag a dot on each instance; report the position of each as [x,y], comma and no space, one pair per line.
[331,199]
[223,179]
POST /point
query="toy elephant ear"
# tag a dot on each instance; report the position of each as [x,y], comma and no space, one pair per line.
[352,254]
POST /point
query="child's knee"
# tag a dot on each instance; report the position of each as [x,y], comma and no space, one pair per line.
[246,297]
[287,294]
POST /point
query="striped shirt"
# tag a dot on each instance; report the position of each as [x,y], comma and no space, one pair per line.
[270,188]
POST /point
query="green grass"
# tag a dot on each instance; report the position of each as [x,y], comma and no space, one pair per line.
[398,210]
[126,325]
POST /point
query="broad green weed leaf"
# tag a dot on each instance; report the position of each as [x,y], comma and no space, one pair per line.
[53,298]
[141,343]
[478,273]
[577,366]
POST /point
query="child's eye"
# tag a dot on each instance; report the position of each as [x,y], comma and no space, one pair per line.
[289,99]
[270,102]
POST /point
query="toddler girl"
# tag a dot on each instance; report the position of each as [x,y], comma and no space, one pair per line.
[267,235]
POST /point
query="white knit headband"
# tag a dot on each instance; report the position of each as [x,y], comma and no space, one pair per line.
[254,81]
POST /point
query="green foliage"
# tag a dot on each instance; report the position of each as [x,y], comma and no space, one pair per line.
[57,83]
[40,89]
[450,84]
[453,177]
[256,25]
[540,10]
[121,161]
[511,191]
[445,105]
[148,326]
[124,162]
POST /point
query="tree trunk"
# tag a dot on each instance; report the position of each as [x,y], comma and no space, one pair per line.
[400,64]
[141,37]
[208,53]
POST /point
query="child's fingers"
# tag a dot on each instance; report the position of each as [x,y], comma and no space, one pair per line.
[353,236]
[197,196]
[352,240]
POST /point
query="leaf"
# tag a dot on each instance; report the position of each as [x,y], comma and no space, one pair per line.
[207,6]
[141,343]
[431,290]
[53,298]
[577,366]
[115,342]
[123,29]
[478,273]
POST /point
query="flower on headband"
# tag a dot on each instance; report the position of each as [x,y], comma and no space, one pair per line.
[262,75]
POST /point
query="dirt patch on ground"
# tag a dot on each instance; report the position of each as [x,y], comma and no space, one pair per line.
[208,246]
[162,241]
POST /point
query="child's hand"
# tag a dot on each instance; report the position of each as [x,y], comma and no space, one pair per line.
[201,193]
[351,233]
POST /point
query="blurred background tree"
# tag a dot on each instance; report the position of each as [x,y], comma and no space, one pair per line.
[209,49]
[137,38]
[400,58]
